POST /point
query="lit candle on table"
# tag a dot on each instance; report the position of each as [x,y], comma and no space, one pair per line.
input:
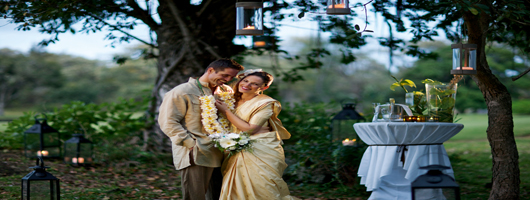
[42,153]
[340,5]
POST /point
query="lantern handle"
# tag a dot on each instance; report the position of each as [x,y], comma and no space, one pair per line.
[344,101]
[37,119]
[39,158]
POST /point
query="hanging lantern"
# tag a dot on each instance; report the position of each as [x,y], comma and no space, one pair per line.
[249,19]
[338,7]
[42,140]
[464,59]
[435,185]
[342,125]
[39,184]
[261,41]
[78,150]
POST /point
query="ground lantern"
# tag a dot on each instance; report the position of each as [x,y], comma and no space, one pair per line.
[342,125]
[78,150]
[435,185]
[40,184]
[249,18]
[464,59]
[42,140]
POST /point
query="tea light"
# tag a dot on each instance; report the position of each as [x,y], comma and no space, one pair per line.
[411,118]
[348,142]
[420,118]
[340,5]
[433,119]
[78,160]
[42,153]
[249,28]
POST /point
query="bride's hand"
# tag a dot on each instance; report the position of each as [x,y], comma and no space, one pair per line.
[221,105]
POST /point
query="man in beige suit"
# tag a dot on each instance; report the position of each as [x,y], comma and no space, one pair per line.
[179,118]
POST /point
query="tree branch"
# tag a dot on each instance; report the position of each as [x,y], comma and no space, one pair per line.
[142,15]
[210,49]
[118,29]
[521,74]
[171,67]
[204,7]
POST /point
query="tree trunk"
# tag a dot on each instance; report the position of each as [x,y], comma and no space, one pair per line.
[189,38]
[505,169]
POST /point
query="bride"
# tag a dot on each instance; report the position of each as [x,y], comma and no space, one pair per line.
[256,174]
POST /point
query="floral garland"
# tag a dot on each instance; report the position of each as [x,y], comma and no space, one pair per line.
[214,124]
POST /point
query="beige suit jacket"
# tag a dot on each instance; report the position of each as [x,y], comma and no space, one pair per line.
[180,119]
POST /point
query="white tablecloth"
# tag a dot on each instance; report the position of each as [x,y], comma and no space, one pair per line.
[382,170]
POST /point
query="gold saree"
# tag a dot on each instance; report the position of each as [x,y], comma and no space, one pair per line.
[258,174]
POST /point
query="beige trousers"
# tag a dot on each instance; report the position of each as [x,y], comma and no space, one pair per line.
[201,183]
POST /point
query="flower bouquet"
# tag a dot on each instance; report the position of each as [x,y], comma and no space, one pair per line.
[232,142]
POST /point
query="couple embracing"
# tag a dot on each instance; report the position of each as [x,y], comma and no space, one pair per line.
[208,173]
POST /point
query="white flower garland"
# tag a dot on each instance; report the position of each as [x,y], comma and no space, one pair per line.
[212,123]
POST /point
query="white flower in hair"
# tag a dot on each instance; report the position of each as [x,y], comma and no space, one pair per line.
[250,71]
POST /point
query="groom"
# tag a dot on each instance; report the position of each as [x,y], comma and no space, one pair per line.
[179,118]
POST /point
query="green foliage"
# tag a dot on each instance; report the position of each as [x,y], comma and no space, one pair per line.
[402,83]
[521,106]
[113,127]
[312,156]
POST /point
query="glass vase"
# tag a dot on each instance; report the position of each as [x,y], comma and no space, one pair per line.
[441,101]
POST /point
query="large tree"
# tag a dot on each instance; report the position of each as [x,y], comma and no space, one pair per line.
[190,35]
[482,23]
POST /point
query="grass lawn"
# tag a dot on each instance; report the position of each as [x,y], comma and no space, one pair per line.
[469,153]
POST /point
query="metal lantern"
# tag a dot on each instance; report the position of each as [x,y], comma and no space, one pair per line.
[78,150]
[338,7]
[464,59]
[42,140]
[261,42]
[39,184]
[342,125]
[249,19]
[435,185]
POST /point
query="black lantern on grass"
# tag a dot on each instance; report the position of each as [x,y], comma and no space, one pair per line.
[39,184]
[435,185]
[464,59]
[78,150]
[249,17]
[342,125]
[42,140]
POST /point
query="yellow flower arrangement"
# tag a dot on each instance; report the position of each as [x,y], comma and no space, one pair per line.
[212,123]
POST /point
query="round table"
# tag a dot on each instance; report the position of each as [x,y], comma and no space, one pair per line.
[397,150]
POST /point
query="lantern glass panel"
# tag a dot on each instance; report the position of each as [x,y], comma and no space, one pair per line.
[343,129]
[338,4]
[42,190]
[249,18]
[473,58]
[438,193]
[50,145]
[456,58]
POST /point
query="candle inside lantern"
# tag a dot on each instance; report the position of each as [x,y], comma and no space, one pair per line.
[259,43]
[42,153]
[341,5]
[78,160]
[249,28]
[348,142]
[464,68]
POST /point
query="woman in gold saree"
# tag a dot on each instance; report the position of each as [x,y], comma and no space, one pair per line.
[257,174]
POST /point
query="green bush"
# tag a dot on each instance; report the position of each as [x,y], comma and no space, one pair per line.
[114,128]
[310,153]
[521,106]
